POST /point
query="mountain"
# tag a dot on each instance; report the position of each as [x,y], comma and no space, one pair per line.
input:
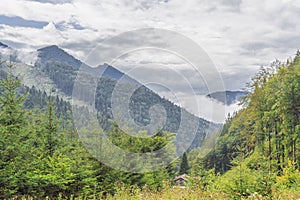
[58,70]
[228,97]
[56,54]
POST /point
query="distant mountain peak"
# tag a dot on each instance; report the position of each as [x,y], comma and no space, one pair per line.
[227,97]
[55,54]
[51,47]
[3,45]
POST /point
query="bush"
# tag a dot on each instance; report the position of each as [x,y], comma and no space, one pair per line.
[290,179]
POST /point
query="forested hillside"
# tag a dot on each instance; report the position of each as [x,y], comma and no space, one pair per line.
[63,69]
[259,147]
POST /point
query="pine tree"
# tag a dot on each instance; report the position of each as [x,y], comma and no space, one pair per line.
[51,129]
[11,103]
[184,166]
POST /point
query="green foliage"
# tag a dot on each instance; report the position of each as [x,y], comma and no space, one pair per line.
[290,179]
[238,182]
[41,157]
[203,179]
[36,157]
[247,177]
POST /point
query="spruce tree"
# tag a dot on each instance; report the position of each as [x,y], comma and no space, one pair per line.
[184,166]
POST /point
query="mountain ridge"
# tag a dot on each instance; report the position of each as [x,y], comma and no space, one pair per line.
[55,53]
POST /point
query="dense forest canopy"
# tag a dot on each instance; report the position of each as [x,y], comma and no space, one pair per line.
[42,157]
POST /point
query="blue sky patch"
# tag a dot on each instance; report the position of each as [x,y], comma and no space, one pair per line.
[18,21]
[65,26]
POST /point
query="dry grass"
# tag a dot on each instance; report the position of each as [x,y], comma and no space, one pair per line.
[177,193]
[170,194]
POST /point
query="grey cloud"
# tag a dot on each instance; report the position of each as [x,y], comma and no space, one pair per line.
[187,81]
[240,78]
[256,46]
[280,44]
[290,42]
[144,4]
[17,45]
[221,5]
[232,4]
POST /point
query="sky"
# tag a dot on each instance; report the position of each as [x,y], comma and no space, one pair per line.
[239,36]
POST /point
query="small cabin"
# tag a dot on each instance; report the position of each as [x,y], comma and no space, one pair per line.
[181,180]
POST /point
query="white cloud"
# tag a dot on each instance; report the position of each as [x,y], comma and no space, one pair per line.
[21,56]
[163,68]
[226,29]
[202,106]
[239,36]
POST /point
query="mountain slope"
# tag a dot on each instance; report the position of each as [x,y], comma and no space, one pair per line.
[61,69]
[63,74]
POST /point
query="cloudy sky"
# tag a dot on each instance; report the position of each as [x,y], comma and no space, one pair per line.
[238,35]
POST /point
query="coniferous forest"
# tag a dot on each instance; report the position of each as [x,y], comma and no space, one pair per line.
[257,155]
